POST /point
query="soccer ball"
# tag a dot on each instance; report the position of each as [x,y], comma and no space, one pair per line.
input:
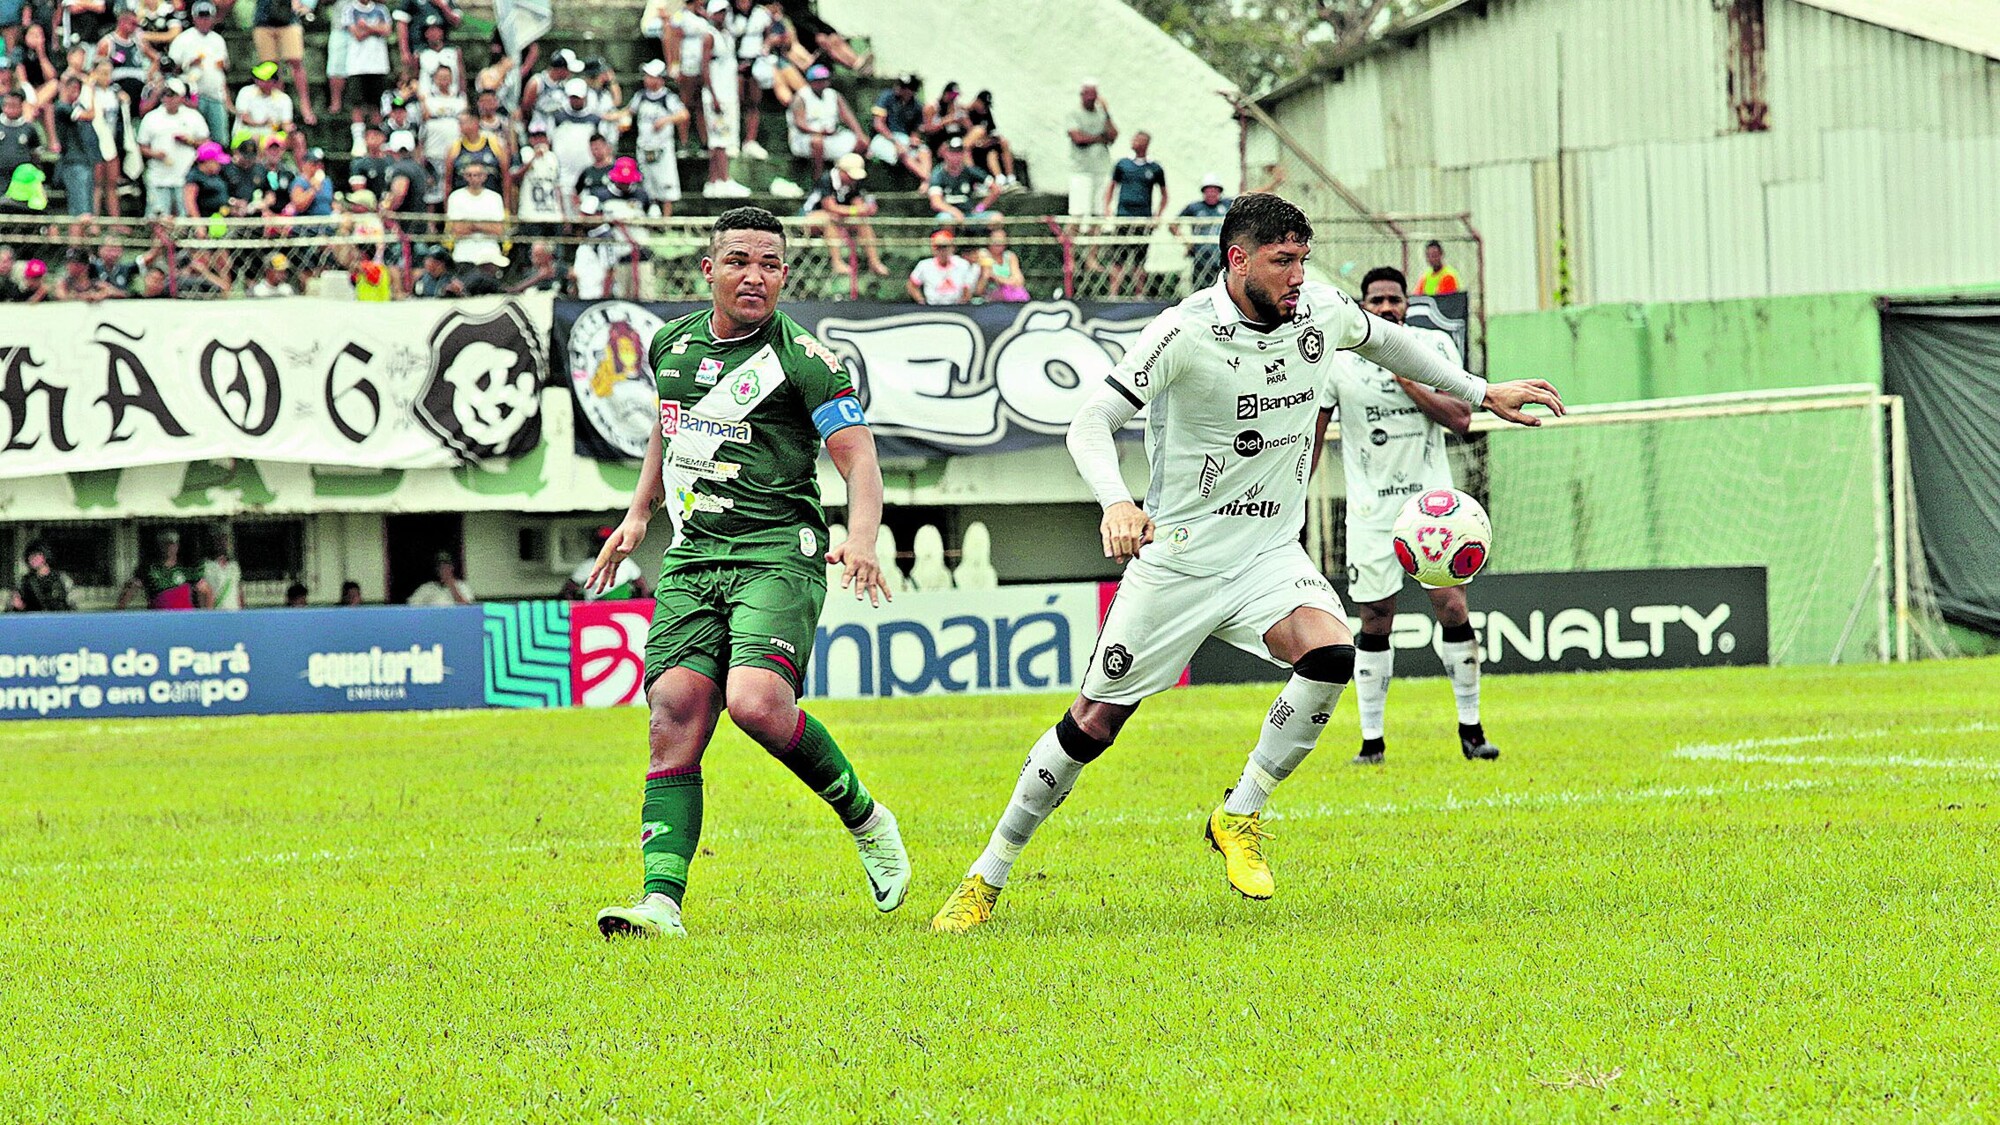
[1442,537]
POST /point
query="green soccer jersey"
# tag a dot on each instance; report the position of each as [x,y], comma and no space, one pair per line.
[741,423]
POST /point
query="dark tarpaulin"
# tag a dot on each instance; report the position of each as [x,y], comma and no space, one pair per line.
[1944,360]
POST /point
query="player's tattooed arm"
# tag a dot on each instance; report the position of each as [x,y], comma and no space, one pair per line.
[632,529]
[853,451]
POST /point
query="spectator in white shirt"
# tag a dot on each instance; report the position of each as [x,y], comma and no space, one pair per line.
[823,128]
[263,109]
[447,589]
[368,29]
[274,283]
[476,219]
[204,61]
[168,138]
[437,53]
[944,278]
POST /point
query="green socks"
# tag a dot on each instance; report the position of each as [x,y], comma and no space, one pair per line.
[672,828]
[816,760]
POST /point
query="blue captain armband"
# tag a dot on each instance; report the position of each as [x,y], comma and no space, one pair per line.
[836,414]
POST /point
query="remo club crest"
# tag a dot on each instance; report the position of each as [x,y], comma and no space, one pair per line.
[1312,345]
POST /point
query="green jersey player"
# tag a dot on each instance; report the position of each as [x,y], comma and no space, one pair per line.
[747,397]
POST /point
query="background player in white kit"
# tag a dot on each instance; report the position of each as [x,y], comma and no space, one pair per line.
[1392,448]
[1233,376]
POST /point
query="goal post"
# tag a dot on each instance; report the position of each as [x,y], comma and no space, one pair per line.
[1808,484]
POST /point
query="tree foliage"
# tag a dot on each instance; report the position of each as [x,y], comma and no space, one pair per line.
[1259,43]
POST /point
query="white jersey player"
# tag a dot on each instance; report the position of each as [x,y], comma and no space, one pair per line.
[1232,377]
[1392,448]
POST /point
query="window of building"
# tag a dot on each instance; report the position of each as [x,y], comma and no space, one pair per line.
[270,550]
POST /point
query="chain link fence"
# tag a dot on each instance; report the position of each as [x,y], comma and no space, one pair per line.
[400,255]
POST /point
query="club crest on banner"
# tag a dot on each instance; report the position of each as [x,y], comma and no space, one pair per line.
[481,398]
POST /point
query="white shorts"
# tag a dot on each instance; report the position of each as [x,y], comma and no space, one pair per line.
[661,175]
[1160,617]
[1086,193]
[838,144]
[1373,574]
[883,149]
[723,115]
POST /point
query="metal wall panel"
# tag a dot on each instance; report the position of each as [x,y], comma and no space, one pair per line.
[1733,170]
[1503,203]
[1617,252]
[1639,71]
[1677,221]
[1493,83]
[1353,134]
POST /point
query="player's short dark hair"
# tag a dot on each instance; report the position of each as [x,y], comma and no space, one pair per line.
[1259,218]
[1434,244]
[1384,273]
[744,218]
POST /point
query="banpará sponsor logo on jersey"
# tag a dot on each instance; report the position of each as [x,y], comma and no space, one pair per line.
[1250,406]
[675,420]
[1249,443]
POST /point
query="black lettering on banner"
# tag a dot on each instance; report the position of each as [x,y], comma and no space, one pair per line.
[249,406]
[362,386]
[144,395]
[15,393]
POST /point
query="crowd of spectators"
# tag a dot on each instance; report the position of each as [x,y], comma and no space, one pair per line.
[463,170]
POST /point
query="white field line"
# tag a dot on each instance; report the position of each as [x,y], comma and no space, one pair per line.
[1561,799]
[1752,750]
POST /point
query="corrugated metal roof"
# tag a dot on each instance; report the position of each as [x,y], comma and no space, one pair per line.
[1969,25]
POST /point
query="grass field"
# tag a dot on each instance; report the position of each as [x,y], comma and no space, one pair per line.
[1733,895]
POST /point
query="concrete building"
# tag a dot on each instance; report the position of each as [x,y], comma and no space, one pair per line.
[1673,150]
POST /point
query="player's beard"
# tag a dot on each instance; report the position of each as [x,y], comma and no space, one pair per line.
[1263,302]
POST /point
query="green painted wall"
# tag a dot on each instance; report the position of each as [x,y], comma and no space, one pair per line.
[1616,353]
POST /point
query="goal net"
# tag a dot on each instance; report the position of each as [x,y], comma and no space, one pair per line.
[1809,484]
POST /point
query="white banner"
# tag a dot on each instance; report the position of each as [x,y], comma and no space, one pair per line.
[1011,639]
[403,385]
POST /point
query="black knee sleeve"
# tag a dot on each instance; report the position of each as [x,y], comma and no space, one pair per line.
[1456,633]
[1328,664]
[1077,744]
[1372,642]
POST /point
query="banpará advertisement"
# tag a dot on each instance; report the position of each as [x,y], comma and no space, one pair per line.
[936,381]
[406,385]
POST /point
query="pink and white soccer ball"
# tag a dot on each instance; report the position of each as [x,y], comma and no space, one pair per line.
[1442,537]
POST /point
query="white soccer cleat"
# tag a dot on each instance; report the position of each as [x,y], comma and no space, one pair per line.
[884,861]
[656,915]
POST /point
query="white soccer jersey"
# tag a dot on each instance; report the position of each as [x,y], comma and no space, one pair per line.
[1234,414]
[1389,449]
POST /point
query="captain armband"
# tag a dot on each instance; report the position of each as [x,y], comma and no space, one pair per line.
[836,414]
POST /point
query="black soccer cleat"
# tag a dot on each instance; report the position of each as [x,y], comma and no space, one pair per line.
[1472,742]
[1372,752]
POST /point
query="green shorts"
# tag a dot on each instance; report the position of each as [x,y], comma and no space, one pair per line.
[725,617]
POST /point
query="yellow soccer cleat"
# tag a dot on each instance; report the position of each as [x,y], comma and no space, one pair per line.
[1240,839]
[968,906]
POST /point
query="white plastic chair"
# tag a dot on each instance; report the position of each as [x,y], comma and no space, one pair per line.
[927,570]
[885,553]
[975,560]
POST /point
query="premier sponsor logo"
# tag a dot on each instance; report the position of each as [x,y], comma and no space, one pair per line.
[705,468]
[675,420]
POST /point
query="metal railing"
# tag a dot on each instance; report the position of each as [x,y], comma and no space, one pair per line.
[1059,256]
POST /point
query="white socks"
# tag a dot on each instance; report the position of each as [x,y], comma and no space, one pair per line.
[1046,779]
[1290,730]
[1461,663]
[1372,672]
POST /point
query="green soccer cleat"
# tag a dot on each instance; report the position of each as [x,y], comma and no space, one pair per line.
[656,915]
[884,861]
